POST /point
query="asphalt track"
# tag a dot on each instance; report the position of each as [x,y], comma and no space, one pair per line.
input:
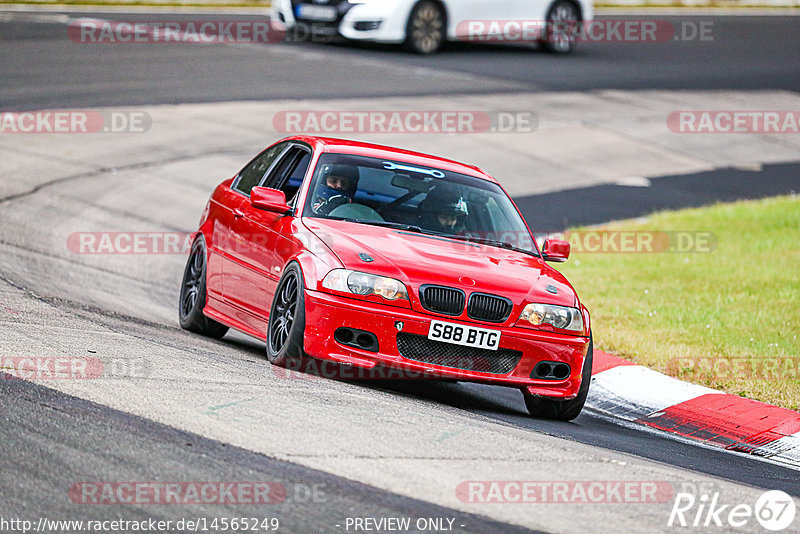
[607,202]
[51,439]
[60,440]
[42,69]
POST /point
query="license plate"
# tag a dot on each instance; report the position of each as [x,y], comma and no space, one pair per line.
[311,12]
[468,336]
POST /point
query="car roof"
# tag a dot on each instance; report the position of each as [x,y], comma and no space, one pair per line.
[347,146]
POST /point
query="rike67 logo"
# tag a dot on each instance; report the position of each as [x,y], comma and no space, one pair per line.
[774,510]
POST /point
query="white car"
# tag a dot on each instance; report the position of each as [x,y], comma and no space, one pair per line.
[423,25]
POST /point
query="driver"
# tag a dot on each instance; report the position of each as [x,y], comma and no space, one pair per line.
[443,210]
[337,187]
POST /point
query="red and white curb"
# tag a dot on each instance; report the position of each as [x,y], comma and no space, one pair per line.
[623,390]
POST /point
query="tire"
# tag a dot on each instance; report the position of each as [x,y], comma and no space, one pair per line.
[563,410]
[193,295]
[563,19]
[426,29]
[287,320]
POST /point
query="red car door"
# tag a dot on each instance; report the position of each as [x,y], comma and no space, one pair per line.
[250,280]
[232,201]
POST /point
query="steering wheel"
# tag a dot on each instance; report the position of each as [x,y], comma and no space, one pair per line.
[358,211]
[331,204]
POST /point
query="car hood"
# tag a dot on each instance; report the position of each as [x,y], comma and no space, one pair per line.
[418,259]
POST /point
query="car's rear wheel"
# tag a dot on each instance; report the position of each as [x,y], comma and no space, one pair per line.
[563,410]
[561,34]
[287,319]
[426,31]
[193,295]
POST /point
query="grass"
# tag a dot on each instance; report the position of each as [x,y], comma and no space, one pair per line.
[727,319]
[709,5]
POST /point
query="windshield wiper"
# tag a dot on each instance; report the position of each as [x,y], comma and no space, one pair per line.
[386,224]
[492,243]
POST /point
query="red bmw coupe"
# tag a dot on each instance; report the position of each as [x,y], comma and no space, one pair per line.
[370,256]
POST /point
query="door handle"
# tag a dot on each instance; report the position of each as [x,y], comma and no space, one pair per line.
[238,213]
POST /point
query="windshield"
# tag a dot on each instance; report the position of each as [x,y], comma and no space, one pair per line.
[391,193]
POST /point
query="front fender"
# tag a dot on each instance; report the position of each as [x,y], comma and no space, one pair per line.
[314,269]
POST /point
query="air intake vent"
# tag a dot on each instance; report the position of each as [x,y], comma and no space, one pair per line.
[421,349]
[489,308]
[438,299]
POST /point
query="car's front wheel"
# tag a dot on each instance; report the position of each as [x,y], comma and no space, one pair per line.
[426,31]
[561,33]
[563,410]
[193,295]
[287,320]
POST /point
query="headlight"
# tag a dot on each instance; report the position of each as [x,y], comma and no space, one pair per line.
[365,284]
[559,317]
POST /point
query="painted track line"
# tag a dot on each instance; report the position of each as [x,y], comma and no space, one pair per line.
[638,395]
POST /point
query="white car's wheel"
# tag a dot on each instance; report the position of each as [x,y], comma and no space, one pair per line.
[426,29]
[561,34]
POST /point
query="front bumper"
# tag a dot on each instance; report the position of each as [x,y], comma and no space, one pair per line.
[325,313]
[391,16]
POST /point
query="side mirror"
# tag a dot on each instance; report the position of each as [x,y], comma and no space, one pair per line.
[556,250]
[267,199]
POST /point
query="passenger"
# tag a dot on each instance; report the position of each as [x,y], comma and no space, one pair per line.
[443,210]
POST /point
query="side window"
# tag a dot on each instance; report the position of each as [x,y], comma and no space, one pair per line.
[251,175]
[288,174]
[292,185]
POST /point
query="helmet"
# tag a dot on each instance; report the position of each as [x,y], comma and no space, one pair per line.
[345,178]
[347,172]
[443,210]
